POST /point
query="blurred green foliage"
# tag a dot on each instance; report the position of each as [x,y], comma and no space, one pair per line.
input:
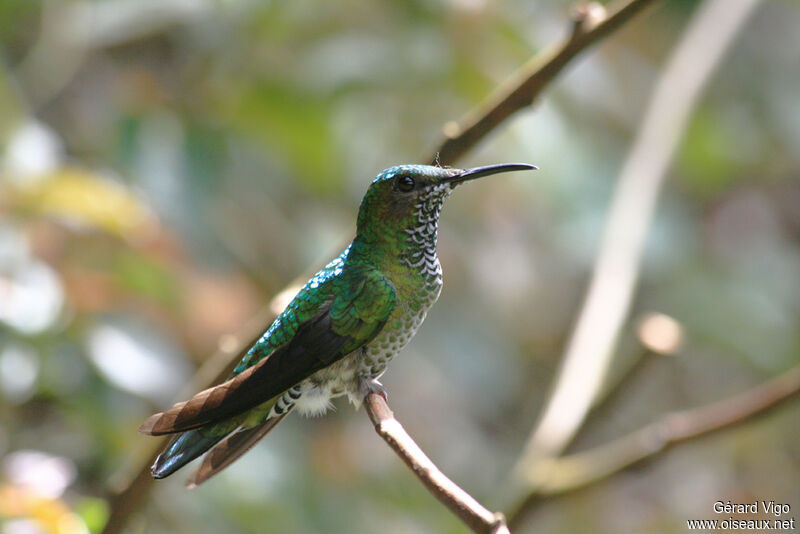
[167,166]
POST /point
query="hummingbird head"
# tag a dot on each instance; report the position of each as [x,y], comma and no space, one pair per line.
[406,199]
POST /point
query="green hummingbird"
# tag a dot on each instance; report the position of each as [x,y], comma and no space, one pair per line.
[337,334]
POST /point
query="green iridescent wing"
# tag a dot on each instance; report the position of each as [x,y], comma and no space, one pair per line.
[340,314]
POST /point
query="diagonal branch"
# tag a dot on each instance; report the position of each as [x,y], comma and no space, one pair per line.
[461,503]
[592,343]
[133,493]
[581,469]
[590,23]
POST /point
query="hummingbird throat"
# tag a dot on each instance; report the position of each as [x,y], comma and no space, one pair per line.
[420,250]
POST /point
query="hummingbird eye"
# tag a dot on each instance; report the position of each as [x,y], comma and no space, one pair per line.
[405,183]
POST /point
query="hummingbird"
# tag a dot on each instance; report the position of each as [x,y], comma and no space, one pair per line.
[339,332]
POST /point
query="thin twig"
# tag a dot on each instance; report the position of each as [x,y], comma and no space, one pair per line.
[133,493]
[461,503]
[590,23]
[592,343]
[578,470]
[126,500]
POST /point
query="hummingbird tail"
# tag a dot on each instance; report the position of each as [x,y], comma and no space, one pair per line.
[232,448]
[181,450]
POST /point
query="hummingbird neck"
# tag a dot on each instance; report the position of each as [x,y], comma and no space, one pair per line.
[409,241]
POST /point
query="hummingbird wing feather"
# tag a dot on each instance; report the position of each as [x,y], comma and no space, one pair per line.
[232,448]
[356,305]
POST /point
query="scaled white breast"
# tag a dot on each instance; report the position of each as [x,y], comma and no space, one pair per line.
[421,251]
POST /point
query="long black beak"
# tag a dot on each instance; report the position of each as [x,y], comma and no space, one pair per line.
[479,172]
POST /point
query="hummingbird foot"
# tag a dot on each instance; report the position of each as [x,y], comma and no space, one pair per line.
[371,385]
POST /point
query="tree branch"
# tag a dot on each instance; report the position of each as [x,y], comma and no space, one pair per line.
[462,504]
[577,470]
[133,492]
[592,344]
[590,23]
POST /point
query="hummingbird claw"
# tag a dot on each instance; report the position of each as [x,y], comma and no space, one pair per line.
[371,385]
